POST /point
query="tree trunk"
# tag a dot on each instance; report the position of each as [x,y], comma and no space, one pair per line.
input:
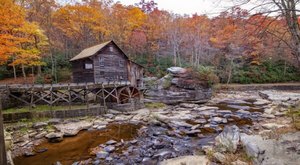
[284,71]
[32,72]
[15,72]
[52,64]
[230,71]
[23,72]
[174,56]
[39,73]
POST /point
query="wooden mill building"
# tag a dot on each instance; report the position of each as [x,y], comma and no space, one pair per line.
[104,63]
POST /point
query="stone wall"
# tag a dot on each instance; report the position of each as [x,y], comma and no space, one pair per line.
[93,111]
[134,104]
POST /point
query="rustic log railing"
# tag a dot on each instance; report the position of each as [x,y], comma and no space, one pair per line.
[69,93]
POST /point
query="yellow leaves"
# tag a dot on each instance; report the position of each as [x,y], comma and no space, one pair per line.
[136,17]
[214,40]
[75,20]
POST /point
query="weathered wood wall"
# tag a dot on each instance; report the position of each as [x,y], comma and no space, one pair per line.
[110,65]
[135,72]
[107,65]
[80,74]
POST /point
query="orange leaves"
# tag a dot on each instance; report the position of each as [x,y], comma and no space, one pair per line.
[73,20]
[10,20]
[19,40]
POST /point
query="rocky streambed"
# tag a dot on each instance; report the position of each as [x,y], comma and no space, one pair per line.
[150,136]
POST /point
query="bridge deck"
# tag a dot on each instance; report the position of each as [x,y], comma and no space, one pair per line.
[70,93]
[62,86]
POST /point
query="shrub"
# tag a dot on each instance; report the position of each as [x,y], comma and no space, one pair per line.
[63,74]
[207,73]
[267,72]
[167,82]
[39,80]
[158,66]
[4,73]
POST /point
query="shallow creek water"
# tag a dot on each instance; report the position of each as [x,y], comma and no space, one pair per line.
[153,142]
[76,148]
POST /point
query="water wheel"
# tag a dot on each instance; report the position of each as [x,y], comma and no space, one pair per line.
[127,93]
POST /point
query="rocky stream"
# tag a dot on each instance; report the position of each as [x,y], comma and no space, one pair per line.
[184,133]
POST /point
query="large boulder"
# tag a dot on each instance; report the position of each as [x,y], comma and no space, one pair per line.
[73,128]
[228,140]
[186,160]
[282,151]
[55,137]
[180,85]
[177,70]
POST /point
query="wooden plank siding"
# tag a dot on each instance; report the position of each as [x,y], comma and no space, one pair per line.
[135,74]
[108,64]
[112,67]
[80,74]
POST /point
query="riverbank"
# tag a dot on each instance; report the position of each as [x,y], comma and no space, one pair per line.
[158,134]
[247,87]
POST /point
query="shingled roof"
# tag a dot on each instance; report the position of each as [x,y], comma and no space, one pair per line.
[88,52]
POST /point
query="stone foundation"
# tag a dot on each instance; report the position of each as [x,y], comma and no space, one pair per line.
[94,111]
[134,104]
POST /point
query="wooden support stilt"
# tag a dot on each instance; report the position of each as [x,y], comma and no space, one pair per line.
[103,97]
[3,158]
[86,96]
[70,98]
[31,97]
[51,97]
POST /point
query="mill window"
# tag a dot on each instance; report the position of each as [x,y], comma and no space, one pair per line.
[121,63]
[111,49]
[101,61]
[88,66]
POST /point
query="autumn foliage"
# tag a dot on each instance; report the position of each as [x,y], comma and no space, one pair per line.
[34,31]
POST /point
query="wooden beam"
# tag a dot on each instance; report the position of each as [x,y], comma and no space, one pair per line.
[3,158]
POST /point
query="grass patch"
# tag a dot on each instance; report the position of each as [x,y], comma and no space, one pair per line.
[294,113]
[155,105]
[277,133]
[239,155]
[40,108]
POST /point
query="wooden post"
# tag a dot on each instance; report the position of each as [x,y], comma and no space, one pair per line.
[86,95]
[103,96]
[3,158]
[31,97]
[51,97]
[70,98]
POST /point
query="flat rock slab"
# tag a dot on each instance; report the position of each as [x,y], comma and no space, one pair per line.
[186,160]
[284,151]
[272,126]
[279,95]
[72,129]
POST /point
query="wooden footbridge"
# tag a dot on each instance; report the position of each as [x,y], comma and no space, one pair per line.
[72,93]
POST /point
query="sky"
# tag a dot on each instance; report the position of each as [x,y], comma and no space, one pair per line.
[209,7]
